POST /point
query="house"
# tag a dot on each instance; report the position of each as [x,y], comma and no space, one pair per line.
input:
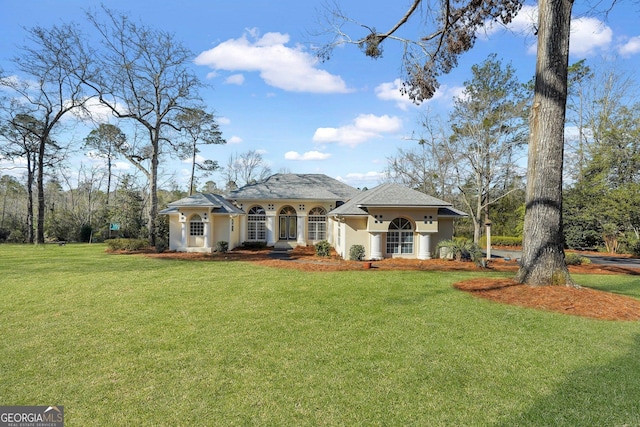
[288,210]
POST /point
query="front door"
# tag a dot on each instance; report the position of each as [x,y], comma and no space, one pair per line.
[288,224]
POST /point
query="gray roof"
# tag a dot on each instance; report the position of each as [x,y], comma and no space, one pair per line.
[391,195]
[296,186]
[215,202]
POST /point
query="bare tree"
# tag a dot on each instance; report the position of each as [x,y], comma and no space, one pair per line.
[245,168]
[143,75]
[425,167]
[47,90]
[454,28]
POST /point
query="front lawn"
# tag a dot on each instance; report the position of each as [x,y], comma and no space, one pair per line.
[129,340]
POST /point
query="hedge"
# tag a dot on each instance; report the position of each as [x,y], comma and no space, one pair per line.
[501,241]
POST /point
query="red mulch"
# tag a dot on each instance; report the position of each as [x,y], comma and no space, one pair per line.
[581,302]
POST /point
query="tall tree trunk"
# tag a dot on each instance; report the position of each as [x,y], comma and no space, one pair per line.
[543,243]
[153,190]
[40,188]
[193,170]
[30,173]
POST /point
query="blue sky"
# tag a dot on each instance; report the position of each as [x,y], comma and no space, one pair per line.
[343,117]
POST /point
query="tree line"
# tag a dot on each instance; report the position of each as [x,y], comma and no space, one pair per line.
[474,156]
[114,70]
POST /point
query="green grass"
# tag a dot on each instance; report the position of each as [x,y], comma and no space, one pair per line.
[127,340]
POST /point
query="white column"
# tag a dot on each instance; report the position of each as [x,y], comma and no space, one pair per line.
[205,236]
[183,234]
[242,223]
[271,227]
[376,245]
[425,246]
[302,241]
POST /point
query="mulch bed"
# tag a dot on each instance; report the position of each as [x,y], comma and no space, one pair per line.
[576,301]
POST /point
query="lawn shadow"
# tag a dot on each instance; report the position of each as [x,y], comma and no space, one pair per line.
[604,395]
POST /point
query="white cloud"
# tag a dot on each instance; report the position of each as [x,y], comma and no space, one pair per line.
[523,23]
[288,68]
[363,128]
[368,179]
[589,35]
[234,140]
[631,47]
[309,155]
[235,79]
[122,166]
[199,159]
[390,91]
[223,120]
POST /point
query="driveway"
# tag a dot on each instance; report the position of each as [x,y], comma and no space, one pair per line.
[603,259]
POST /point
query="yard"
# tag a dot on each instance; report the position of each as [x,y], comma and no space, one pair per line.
[137,340]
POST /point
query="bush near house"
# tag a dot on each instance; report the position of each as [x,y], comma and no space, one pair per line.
[222,247]
[323,248]
[462,249]
[254,245]
[356,253]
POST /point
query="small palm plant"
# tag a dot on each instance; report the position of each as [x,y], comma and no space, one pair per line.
[463,250]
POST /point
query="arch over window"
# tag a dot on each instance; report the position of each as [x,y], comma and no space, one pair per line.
[287,210]
[400,237]
[196,226]
[317,224]
[257,224]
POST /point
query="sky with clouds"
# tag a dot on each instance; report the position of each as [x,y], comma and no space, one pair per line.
[342,117]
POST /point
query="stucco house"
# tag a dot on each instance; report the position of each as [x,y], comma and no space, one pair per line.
[288,210]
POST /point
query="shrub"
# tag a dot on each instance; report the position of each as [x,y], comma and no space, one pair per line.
[85,233]
[161,246]
[634,248]
[356,253]
[222,246]
[323,248]
[464,250]
[501,241]
[254,245]
[127,244]
[572,258]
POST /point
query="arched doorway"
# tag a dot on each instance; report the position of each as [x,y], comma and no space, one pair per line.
[288,222]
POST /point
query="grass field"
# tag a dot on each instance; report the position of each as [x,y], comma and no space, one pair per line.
[127,340]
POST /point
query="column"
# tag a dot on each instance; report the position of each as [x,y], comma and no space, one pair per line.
[376,245]
[425,246]
[271,227]
[183,234]
[206,234]
[301,240]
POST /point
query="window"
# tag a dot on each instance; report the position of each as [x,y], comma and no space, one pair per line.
[317,224]
[196,226]
[400,237]
[257,224]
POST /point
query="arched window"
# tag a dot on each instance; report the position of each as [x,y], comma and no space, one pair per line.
[400,237]
[257,224]
[317,224]
[196,226]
